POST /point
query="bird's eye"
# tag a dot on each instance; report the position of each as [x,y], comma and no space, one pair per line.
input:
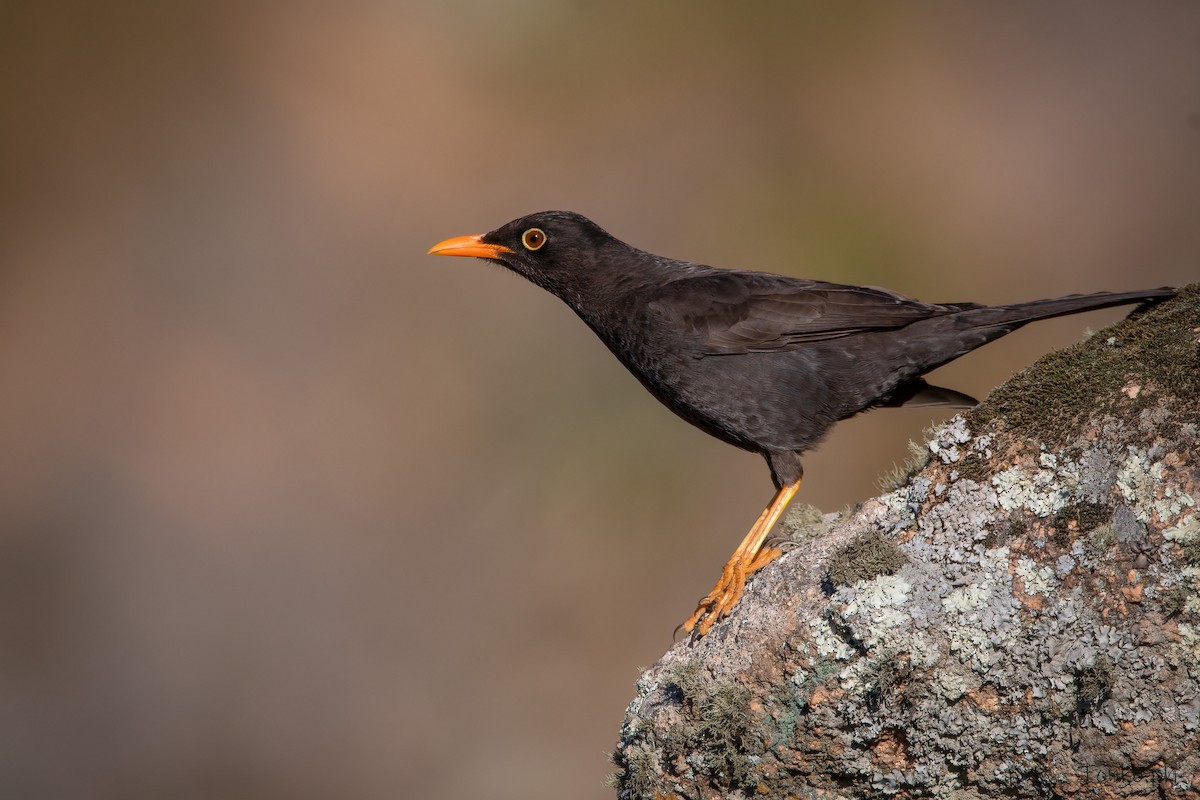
[533,239]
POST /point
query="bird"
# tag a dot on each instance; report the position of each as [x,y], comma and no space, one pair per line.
[767,363]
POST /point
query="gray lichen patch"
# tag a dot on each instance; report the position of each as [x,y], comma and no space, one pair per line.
[1145,483]
[1186,533]
[1041,492]
[1037,623]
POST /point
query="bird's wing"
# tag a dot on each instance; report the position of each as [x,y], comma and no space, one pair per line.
[752,312]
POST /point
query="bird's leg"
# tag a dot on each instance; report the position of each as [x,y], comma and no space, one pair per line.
[746,560]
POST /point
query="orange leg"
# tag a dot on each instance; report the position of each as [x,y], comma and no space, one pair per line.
[746,560]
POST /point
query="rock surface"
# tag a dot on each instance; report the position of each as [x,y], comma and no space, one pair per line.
[1020,618]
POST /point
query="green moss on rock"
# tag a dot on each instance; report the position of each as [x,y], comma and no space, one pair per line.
[1048,400]
[867,557]
[1093,685]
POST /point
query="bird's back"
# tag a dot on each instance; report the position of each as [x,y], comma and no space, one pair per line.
[770,363]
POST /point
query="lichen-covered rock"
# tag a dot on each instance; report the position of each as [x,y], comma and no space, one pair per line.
[1020,618]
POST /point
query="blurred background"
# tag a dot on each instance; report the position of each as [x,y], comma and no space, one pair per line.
[289,509]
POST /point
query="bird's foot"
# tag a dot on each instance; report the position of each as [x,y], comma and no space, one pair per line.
[750,557]
[717,604]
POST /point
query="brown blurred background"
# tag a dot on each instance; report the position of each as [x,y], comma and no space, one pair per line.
[289,509]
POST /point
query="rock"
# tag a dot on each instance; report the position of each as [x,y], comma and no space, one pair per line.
[1021,617]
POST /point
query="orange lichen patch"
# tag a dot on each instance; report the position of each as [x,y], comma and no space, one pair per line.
[1133,594]
[822,695]
[1172,459]
[1148,753]
[1117,609]
[891,751]
[1034,602]
[985,697]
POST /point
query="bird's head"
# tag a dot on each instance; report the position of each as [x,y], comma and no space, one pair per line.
[561,251]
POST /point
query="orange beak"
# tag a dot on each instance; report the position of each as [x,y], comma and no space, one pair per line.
[468,246]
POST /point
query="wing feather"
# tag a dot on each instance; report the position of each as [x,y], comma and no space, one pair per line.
[752,312]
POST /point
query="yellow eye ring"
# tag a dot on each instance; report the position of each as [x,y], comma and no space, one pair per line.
[533,239]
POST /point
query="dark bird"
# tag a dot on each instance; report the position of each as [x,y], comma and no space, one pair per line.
[764,362]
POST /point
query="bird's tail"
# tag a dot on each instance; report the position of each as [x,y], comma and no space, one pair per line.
[935,341]
[1011,317]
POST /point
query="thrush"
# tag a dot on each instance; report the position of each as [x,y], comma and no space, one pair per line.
[765,362]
